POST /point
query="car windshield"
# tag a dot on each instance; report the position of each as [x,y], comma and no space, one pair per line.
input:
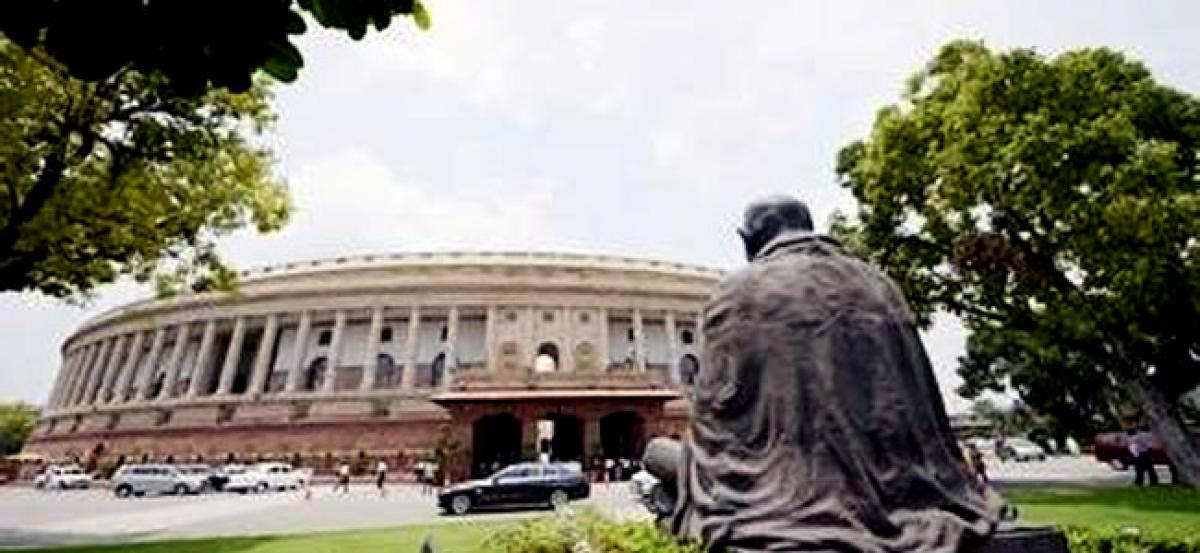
[235,470]
[1020,442]
[72,471]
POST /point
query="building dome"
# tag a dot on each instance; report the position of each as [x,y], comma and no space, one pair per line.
[389,354]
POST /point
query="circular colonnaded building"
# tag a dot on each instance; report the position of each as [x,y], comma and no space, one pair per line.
[495,356]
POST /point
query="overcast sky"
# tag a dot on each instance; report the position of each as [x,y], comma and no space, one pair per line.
[629,128]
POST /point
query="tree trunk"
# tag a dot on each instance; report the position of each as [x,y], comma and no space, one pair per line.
[1182,448]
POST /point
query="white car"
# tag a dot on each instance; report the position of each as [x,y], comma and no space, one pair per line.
[263,477]
[1020,449]
[156,478]
[62,477]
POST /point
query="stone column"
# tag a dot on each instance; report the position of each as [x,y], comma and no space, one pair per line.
[602,347]
[70,359]
[129,368]
[92,387]
[299,349]
[334,357]
[451,366]
[489,339]
[200,369]
[150,367]
[175,362]
[412,348]
[592,446]
[700,336]
[232,356]
[639,341]
[372,350]
[79,377]
[262,359]
[566,352]
[111,369]
[672,348]
[62,382]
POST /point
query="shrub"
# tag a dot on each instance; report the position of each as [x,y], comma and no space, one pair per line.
[569,533]
[1091,540]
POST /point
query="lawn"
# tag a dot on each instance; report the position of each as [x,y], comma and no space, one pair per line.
[1161,511]
[457,537]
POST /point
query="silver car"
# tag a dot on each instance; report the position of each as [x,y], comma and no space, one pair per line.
[153,479]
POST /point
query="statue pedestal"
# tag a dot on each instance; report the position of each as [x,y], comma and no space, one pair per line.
[1024,539]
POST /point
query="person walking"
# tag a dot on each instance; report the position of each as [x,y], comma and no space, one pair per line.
[1141,449]
[381,476]
[978,467]
[343,478]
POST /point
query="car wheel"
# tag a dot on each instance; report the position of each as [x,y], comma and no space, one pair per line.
[124,490]
[460,504]
[181,489]
[263,487]
[559,498]
[39,485]
[62,485]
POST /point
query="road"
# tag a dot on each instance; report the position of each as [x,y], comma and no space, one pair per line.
[31,517]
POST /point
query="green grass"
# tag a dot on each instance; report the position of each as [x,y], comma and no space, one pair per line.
[457,537]
[1164,511]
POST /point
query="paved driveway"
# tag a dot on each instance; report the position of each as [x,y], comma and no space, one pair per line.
[31,517]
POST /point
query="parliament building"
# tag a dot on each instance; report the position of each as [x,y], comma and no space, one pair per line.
[499,355]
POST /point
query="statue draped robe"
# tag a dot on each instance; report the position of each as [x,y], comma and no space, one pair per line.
[817,424]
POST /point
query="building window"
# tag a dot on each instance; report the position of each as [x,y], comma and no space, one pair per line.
[445,333]
[508,348]
[511,316]
[687,337]
[629,334]
[585,318]
[324,338]
[385,371]
[385,335]
[689,367]
[164,418]
[548,317]
[314,377]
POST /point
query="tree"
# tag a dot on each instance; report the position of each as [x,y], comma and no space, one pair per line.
[99,179]
[193,43]
[16,422]
[1053,205]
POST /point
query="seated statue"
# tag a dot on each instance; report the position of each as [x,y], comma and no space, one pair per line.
[816,421]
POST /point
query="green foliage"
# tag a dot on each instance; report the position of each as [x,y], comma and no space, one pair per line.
[562,534]
[16,422]
[1053,205]
[1086,540]
[120,177]
[195,44]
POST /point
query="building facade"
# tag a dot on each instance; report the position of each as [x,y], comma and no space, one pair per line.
[499,355]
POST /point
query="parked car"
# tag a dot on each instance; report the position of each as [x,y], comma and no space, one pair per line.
[517,485]
[62,477]
[1020,449]
[154,479]
[1112,448]
[214,479]
[262,477]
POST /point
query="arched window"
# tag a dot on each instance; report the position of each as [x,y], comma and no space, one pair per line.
[314,376]
[688,367]
[436,370]
[385,335]
[547,358]
[385,371]
[687,337]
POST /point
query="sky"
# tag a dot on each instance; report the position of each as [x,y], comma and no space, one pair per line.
[636,129]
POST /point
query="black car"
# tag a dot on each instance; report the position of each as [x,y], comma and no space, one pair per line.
[520,484]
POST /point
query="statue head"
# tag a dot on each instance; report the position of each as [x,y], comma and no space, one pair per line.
[767,218]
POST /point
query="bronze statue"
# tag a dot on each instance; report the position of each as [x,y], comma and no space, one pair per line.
[817,424]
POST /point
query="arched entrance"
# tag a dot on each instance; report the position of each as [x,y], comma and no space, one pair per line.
[547,358]
[688,367]
[495,442]
[622,435]
[567,444]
